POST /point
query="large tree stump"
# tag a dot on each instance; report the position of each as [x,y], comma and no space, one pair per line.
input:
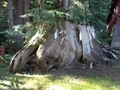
[70,44]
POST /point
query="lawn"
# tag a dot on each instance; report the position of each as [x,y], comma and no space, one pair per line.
[107,78]
[56,81]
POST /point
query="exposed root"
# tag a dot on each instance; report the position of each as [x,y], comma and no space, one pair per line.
[72,44]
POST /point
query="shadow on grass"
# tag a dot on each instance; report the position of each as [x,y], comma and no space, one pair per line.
[81,81]
[11,81]
[18,81]
[8,80]
[70,79]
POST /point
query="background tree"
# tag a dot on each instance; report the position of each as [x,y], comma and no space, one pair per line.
[113,23]
[3,20]
[20,8]
[60,42]
[10,15]
[15,11]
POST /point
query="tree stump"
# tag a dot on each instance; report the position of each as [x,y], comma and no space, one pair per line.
[70,44]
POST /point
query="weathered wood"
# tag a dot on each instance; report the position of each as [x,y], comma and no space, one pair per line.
[24,55]
[71,44]
[92,48]
[66,45]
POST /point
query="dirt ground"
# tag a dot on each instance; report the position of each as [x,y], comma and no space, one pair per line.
[110,71]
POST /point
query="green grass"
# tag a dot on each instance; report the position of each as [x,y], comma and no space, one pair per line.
[56,81]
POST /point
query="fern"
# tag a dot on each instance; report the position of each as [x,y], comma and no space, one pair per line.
[93,12]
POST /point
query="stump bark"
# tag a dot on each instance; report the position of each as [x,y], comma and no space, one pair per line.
[70,44]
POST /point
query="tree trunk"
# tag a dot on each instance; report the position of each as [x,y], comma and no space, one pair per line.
[10,15]
[10,20]
[26,8]
[18,11]
[115,44]
[43,4]
[71,44]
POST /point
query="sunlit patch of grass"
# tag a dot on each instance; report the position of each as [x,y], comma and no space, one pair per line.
[101,83]
[85,83]
[62,81]
[55,81]
[36,81]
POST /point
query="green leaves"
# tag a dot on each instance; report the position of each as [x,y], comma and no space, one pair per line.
[99,12]
[78,12]
[92,12]
[3,15]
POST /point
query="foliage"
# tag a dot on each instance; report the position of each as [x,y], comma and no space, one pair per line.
[51,4]
[11,41]
[43,22]
[3,20]
[93,12]
[2,37]
[104,38]
[3,15]
[84,12]
[8,38]
[4,60]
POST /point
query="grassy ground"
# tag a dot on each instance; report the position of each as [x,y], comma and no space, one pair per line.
[107,78]
[55,81]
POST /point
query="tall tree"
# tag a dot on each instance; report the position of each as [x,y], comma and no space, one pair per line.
[113,23]
[10,14]
[3,20]
[18,11]
[21,7]
[43,4]
[10,20]
[26,10]
[70,44]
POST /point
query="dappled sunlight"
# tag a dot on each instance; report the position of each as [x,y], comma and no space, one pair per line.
[73,83]
[4,84]
[34,75]
[76,81]
[61,81]
[84,83]
[81,83]
[35,81]
[55,87]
